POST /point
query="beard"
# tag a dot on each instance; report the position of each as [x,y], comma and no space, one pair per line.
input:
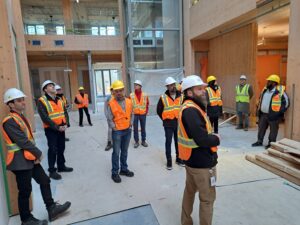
[200,99]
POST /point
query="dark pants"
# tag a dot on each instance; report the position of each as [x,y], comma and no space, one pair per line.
[169,132]
[142,119]
[240,116]
[121,139]
[23,178]
[215,123]
[263,125]
[86,110]
[56,148]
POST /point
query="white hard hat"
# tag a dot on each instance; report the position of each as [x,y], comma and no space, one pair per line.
[191,81]
[57,87]
[170,80]
[138,82]
[243,77]
[12,94]
[46,83]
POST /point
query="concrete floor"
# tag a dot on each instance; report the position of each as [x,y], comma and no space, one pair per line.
[246,193]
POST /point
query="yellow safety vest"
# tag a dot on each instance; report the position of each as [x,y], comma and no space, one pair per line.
[242,95]
[214,96]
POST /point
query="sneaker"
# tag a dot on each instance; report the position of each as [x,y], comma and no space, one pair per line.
[169,165]
[67,139]
[136,144]
[57,209]
[127,173]
[144,143]
[108,146]
[55,176]
[116,178]
[65,169]
[256,144]
[180,162]
[34,221]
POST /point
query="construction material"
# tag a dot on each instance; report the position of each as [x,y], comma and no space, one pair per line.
[285,149]
[229,119]
[286,156]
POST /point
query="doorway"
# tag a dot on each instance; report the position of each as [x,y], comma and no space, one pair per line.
[104,79]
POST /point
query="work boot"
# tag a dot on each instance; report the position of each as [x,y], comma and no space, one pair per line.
[268,146]
[136,144]
[80,125]
[34,221]
[127,173]
[65,169]
[91,124]
[169,164]
[55,175]
[108,146]
[116,178]
[246,129]
[239,127]
[57,209]
[144,143]
[67,139]
[256,144]
[180,162]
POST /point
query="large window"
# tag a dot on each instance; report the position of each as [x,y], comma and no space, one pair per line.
[104,79]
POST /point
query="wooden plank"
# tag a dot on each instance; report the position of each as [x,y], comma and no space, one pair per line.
[290,143]
[284,166]
[285,156]
[284,175]
[284,148]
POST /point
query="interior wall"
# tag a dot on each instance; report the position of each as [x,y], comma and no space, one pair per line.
[231,55]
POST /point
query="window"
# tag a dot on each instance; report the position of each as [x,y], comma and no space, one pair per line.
[95,30]
[111,31]
[102,30]
[59,30]
[40,29]
[31,29]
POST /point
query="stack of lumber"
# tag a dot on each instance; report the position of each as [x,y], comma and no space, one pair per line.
[282,159]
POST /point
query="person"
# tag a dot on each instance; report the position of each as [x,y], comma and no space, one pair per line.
[273,103]
[244,93]
[167,109]
[214,102]
[109,130]
[140,102]
[24,158]
[54,116]
[82,102]
[60,94]
[198,147]
[120,120]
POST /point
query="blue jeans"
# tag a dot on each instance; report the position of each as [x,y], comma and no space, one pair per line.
[169,133]
[121,139]
[240,117]
[142,119]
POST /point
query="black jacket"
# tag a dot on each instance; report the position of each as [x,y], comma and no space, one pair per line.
[160,109]
[195,126]
[213,111]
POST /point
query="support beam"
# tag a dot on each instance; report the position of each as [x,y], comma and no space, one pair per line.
[92,82]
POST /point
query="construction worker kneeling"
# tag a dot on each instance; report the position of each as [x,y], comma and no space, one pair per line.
[197,147]
[23,159]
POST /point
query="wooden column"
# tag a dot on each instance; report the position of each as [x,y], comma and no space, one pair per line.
[74,81]
[67,11]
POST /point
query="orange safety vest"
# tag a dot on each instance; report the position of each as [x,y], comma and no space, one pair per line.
[56,112]
[186,144]
[214,96]
[13,147]
[84,101]
[63,98]
[121,119]
[139,107]
[171,107]
[276,99]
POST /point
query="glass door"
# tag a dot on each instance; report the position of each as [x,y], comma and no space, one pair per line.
[104,79]
[106,82]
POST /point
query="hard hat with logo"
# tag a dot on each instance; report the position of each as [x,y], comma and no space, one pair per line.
[81,88]
[192,81]
[138,82]
[211,78]
[57,87]
[274,78]
[170,80]
[117,85]
[243,77]
[46,83]
[12,94]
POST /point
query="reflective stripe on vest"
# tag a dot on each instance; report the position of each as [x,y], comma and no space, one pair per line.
[276,99]
[186,144]
[214,97]
[171,107]
[139,107]
[242,95]
[121,119]
[84,100]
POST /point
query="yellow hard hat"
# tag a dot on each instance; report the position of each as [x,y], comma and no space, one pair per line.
[117,85]
[274,78]
[211,78]
[80,88]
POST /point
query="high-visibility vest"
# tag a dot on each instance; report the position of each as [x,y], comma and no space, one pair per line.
[56,111]
[186,144]
[276,98]
[84,101]
[214,96]
[139,107]
[171,107]
[63,98]
[13,147]
[242,95]
[121,119]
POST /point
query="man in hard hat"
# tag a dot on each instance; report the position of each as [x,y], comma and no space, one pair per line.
[120,120]
[214,102]
[273,103]
[60,94]
[197,147]
[54,116]
[140,102]
[82,102]
[109,129]
[25,164]
[167,109]
[244,93]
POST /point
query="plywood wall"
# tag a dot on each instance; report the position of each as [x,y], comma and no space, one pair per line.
[231,55]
